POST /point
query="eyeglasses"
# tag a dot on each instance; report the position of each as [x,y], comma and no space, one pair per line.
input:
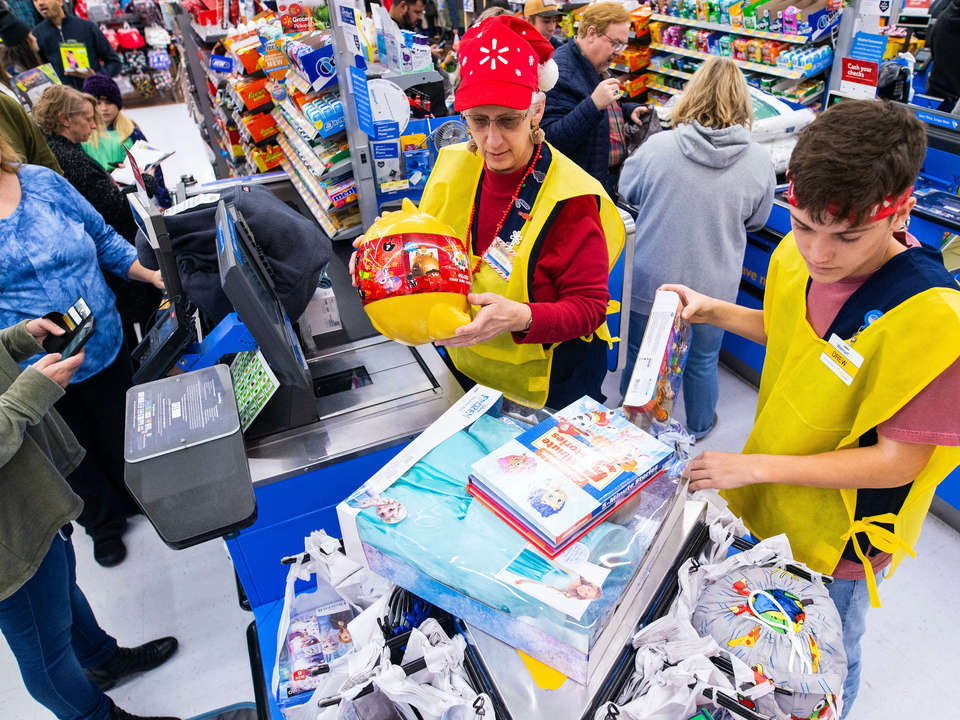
[616,45]
[504,123]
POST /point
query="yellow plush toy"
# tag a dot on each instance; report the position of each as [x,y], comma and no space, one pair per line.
[413,275]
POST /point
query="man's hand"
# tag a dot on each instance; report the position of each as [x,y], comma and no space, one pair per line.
[697,307]
[722,470]
[60,371]
[41,328]
[606,93]
[156,279]
[637,115]
[497,315]
[81,73]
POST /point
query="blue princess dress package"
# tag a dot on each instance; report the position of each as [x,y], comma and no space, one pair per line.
[415,524]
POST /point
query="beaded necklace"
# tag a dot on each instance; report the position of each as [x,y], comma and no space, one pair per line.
[511,206]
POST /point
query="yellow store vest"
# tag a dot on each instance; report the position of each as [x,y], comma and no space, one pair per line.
[804,409]
[520,371]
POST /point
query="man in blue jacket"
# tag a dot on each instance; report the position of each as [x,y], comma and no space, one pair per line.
[584,117]
[59,29]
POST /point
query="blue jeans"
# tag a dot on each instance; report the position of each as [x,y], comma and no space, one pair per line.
[700,382]
[53,634]
[852,600]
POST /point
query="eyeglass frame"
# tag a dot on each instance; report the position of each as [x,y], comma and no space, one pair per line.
[496,121]
[616,46]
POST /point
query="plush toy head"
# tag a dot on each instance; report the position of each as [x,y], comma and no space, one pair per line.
[413,276]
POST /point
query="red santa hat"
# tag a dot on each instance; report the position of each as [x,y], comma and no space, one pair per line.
[503,61]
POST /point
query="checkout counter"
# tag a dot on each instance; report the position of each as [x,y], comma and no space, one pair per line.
[935,217]
[348,400]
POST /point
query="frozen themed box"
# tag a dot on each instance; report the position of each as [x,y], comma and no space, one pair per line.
[415,524]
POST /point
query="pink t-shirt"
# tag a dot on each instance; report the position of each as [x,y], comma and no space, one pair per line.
[930,418]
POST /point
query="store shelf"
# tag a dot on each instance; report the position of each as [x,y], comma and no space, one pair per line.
[404,81]
[293,115]
[348,233]
[298,143]
[662,88]
[746,65]
[626,69]
[733,29]
[672,73]
[338,168]
[208,33]
[310,200]
[310,179]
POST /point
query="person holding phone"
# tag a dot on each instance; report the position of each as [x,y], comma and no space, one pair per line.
[66,659]
[54,249]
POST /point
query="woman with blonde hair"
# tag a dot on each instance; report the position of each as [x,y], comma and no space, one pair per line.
[698,189]
[108,144]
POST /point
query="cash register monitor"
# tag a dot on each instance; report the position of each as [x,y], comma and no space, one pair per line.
[247,285]
[246,281]
[173,333]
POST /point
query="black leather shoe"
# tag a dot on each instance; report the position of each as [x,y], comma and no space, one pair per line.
[130,661]
[109,551]
[118,714]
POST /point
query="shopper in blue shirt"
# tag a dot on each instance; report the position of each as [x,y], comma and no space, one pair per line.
[54,248]
[58,28]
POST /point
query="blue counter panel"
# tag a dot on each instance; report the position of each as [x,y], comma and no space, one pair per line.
[288,511]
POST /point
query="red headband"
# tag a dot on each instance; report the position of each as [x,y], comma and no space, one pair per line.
[881,210]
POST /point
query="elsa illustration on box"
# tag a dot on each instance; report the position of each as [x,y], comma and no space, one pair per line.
[547,501]
[388,510]
[535,569]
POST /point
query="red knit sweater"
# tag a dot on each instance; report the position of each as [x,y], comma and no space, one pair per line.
[570,278]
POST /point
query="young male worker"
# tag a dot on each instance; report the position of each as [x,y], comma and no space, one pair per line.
[857,416]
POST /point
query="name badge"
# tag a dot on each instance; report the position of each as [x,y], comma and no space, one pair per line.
[842,359]
[500,257]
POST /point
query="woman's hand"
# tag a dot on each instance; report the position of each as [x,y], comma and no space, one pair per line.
[697,307]
[60,371]
[353,256]
[497,315]
[352,266]
[41,328]
[721,470]
[637,115]
[140,273]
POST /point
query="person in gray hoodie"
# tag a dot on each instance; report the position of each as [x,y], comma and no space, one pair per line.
[697,190]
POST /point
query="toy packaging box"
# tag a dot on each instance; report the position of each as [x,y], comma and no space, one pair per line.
[415,523]
[560,475]
[655,380]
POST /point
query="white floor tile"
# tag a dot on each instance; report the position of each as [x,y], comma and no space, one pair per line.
[157,591]
[170,127]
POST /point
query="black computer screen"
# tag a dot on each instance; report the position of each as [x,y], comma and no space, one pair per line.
[252,296]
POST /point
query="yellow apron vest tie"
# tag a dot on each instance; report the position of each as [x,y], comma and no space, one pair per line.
[520,371]
[804,409]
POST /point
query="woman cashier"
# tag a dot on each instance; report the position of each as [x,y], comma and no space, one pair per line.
[542,234]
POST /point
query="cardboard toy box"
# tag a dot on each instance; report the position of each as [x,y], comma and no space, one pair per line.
[455,553]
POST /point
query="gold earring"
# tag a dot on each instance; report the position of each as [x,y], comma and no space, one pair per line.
[536,134]
[471,143]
